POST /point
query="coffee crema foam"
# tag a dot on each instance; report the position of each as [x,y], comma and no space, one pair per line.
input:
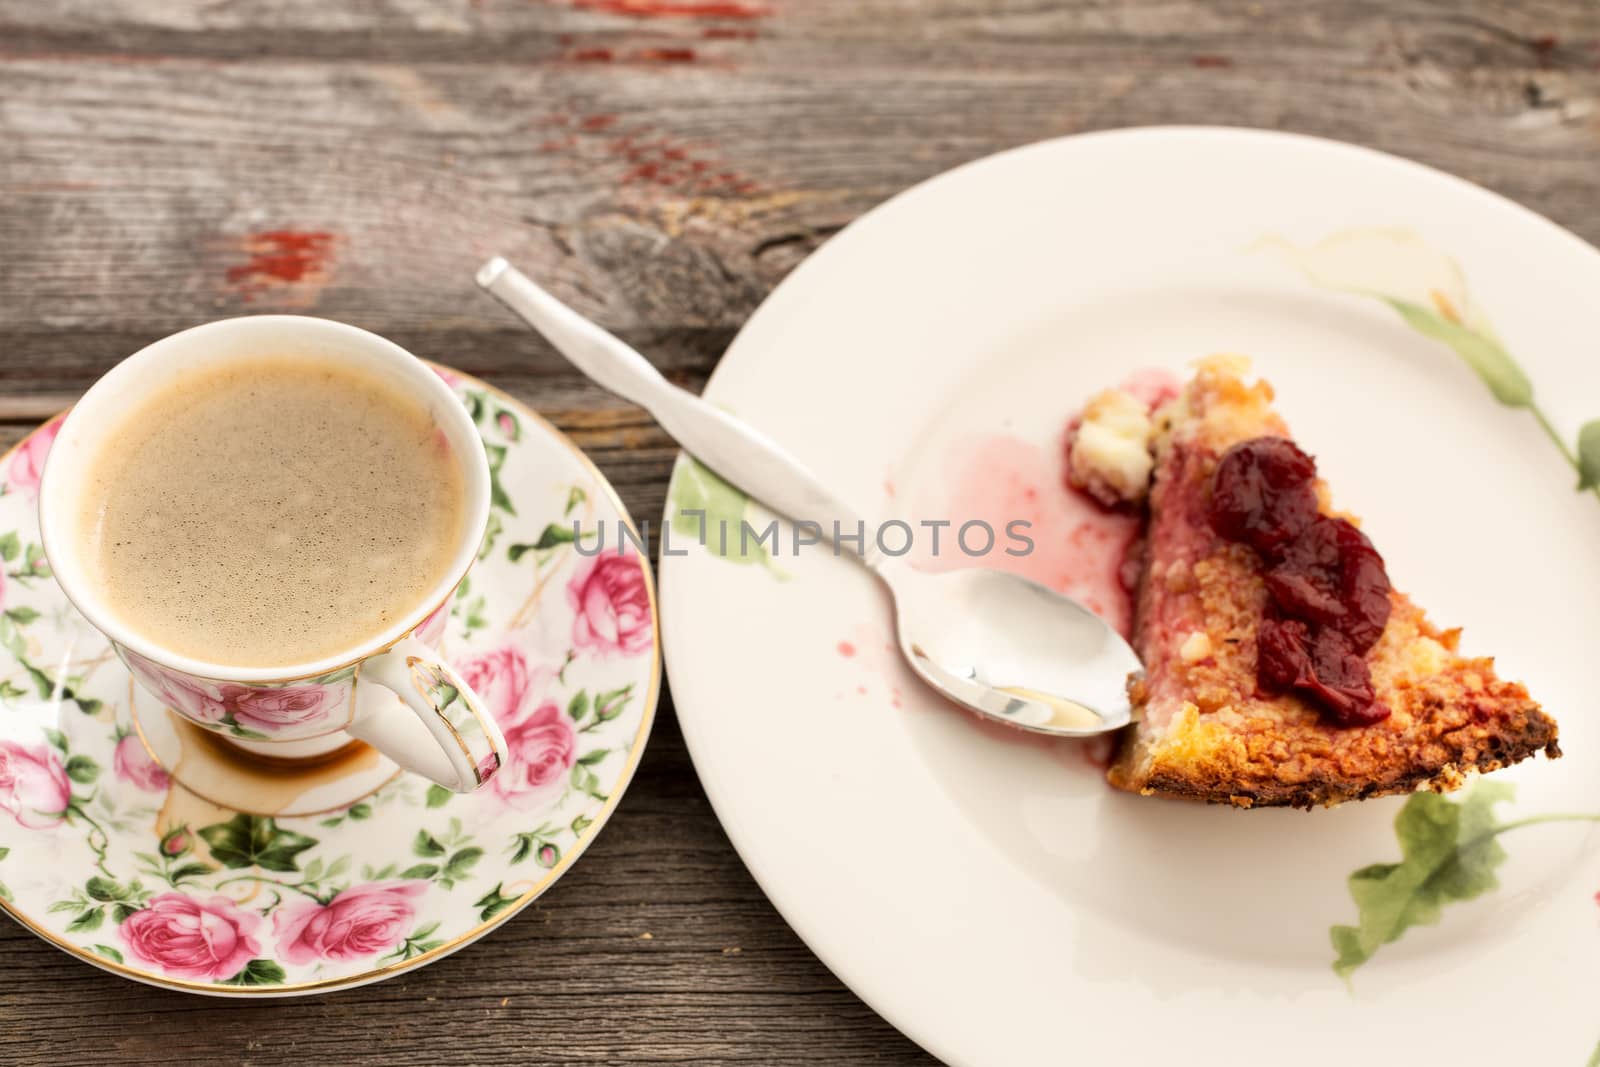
[271,511]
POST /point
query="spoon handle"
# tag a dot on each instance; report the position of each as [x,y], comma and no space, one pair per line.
[743,455]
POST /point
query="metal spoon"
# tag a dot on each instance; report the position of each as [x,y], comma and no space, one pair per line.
[1008,648]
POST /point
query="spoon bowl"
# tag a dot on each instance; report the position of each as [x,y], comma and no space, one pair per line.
[1013,650]
[1009,649]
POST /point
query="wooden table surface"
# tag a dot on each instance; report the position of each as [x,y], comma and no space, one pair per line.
[662,164]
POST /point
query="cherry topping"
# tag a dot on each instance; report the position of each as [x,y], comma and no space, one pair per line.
[1263,493]
[1332,575]
[1328,586]
[1343,682]
[1321,663]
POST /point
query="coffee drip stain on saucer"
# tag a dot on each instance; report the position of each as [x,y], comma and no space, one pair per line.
[211,769]
[211,775]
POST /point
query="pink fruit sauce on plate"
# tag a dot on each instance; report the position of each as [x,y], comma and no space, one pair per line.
[1079,547]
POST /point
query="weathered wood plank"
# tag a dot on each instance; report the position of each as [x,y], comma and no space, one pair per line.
[669,199]
[526,31]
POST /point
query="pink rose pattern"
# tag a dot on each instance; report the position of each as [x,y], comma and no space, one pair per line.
[301,710]
[539,735]
[543,746]
[500,679]
[209,940]
[27,463]
[358,923]
[186,695]
[277,710]
[33,785]
[132,763]
[613,605]
[429,630]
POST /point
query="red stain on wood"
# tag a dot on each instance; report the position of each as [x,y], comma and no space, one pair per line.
[282,258]
[1212,62]
[639,55]
[665,55]
[728,33]
[640,159]
[652,9]
[1544,48]
[662,162]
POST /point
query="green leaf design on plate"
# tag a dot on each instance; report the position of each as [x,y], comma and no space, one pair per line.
[608,706]
[1589,455]
[522,846]
[497,495]
[106,890]
[22,614]
[82,769]
[1449,853]
[552,535]
[462,862]
[426,844]
[492,903]
[10,545]
[107,951]
[578,706]
[88,920]
[438,796]
[255,841]
[1449,850]
[1483,354]
[258,972]
[703,505]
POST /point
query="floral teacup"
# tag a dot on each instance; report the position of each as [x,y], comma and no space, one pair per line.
[438,726]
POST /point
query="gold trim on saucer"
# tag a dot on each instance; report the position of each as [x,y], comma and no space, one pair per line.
[568,857]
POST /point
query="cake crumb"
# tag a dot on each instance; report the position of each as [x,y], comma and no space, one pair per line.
[1196,647]
[1108,456]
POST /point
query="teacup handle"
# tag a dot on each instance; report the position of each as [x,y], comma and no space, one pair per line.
[459,745]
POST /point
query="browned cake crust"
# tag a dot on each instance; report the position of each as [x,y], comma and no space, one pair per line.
[1204,731]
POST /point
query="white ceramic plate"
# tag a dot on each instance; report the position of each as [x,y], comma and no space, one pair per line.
[987,893]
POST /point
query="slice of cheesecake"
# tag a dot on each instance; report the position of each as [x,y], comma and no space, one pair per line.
[1280,667]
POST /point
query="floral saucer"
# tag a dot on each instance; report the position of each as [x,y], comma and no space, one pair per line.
[115,848]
